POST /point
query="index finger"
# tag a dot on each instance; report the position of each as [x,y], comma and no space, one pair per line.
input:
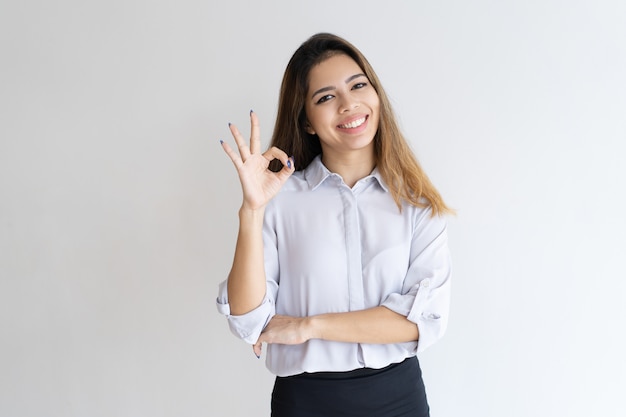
[257,348]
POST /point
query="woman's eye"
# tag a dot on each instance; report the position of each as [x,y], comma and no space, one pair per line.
[324,99]
[358,85]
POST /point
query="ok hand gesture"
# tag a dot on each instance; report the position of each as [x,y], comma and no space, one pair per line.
[259,184]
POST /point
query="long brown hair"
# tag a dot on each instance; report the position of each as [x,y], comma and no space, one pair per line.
[394,158]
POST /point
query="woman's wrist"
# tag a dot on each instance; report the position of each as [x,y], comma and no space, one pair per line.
[313,327]
[246,213]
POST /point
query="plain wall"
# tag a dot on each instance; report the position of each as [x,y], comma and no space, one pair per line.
[118,208]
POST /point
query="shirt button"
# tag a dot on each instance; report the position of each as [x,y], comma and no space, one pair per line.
[425,283]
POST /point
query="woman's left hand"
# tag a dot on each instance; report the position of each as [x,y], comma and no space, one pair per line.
[284,330]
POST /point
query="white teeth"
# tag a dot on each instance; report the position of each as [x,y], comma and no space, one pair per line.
[352,125]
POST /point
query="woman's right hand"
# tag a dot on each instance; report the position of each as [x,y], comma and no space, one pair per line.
[259,184]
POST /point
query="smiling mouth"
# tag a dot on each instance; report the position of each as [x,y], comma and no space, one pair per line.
[354,124]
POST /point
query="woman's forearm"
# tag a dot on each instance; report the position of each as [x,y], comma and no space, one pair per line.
[377,325]
[374,325]
[246,281]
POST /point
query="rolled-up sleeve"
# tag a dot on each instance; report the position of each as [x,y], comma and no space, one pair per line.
[247,326]
[425,296]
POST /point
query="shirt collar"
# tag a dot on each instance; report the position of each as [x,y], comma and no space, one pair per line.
[316,173]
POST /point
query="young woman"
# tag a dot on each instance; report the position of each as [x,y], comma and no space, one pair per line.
[341,265]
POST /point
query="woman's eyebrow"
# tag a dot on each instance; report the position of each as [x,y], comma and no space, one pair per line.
[354,76]
[324,89]
[321,90]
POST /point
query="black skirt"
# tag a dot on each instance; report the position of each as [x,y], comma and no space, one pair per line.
[394,391]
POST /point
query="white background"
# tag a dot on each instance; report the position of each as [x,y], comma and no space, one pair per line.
[118,208]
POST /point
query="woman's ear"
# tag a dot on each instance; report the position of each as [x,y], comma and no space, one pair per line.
[309,128]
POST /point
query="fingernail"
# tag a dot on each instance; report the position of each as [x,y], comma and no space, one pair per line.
[257,356]
[229,124]
[289,163]
[221,142]
[251,111]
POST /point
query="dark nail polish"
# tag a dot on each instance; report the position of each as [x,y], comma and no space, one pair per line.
[229,124]
[257,356]
[289,163]
[221,142]
[251,111]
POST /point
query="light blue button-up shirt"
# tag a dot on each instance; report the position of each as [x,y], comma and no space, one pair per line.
[330,248]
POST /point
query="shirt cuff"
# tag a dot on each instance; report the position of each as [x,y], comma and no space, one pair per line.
[249,326]
[430,323]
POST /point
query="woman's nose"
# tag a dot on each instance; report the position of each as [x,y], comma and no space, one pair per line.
[348,103]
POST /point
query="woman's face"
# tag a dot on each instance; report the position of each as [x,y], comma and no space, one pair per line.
[342,107]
